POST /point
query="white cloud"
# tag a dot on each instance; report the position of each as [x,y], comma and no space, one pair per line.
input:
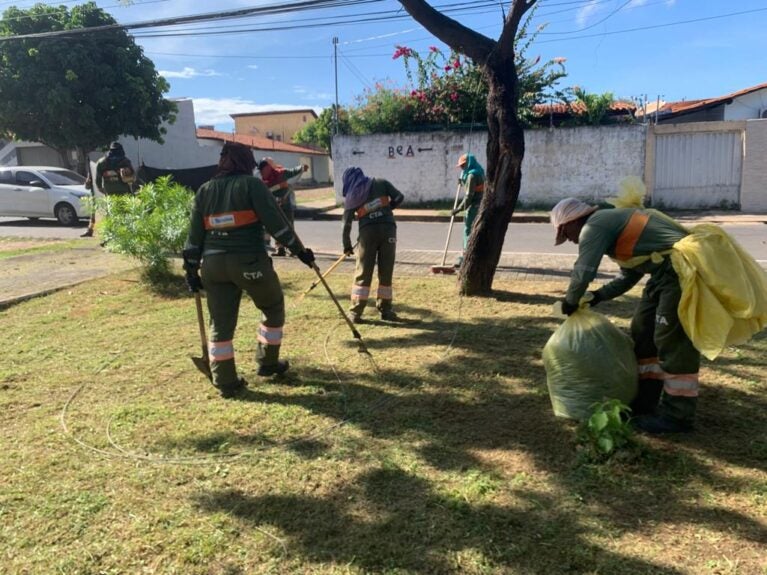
[635,3]
[187,73]
[586,12]
[253,66]
[218,110]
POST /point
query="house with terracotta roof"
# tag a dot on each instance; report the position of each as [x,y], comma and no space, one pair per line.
[571,113]
[289,155]
[747,104]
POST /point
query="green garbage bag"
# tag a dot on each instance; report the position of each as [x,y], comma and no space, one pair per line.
[588,360]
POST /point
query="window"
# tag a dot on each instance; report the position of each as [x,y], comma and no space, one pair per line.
[6,177]
[23,178]
[63,177]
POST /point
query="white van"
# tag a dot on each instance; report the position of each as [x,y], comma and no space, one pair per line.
[43,192]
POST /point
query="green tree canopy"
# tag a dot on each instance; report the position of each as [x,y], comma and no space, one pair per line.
[320,131]
[79,90]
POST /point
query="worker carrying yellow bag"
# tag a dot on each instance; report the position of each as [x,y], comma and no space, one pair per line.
[704,293]
[588,360]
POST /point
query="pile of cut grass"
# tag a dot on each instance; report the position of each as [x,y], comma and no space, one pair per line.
[437,458]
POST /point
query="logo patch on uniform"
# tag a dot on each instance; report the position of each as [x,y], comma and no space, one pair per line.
[222,220]
[252,275]
[661,320]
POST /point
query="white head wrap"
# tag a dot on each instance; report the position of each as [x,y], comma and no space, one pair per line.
[568,210]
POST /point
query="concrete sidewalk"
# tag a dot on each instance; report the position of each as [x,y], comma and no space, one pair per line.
[327,210]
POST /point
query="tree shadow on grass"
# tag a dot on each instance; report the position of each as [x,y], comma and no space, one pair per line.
[488,397]
[409,525]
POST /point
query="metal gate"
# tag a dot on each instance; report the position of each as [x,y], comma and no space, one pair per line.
[698,170]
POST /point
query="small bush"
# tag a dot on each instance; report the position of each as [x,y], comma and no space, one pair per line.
[150,226]
[606,434]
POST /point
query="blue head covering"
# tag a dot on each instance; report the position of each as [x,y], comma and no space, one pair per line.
[356,188]
[470,167]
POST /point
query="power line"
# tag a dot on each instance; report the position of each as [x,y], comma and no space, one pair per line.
[653,26]
[610,15]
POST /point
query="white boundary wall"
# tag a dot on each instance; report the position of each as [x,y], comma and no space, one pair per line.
[584,162]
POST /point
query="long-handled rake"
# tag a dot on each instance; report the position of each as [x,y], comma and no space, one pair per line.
[363,348]
[442,268]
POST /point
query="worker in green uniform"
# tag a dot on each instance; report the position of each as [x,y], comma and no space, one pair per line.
[277,179]
[225,241]
[473,180]
[371,201]
[640,241]
[114,177]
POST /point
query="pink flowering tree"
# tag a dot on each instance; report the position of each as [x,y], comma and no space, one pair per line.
[450,89]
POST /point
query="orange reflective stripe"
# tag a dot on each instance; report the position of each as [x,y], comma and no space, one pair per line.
[227,220]
[221,350]
[681,384]
[373,206]
[624,247]
[480,187]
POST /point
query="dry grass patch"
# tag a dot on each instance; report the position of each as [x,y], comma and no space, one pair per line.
[442,459]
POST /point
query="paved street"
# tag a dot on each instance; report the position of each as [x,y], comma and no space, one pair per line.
[325,236]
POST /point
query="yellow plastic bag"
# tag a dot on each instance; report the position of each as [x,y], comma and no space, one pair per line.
[724,291]
[588,360]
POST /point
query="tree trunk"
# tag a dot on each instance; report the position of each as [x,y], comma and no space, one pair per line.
[505,151]
[82,161]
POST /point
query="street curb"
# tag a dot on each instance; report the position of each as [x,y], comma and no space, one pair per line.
[326,216]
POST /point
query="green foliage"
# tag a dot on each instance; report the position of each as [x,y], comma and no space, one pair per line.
[149,226]
[385,109]
[606,433]
[79,91]
[597,105]
[449,90]
[320,131]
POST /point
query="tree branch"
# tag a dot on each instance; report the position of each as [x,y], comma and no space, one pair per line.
[460,38]
[509,33]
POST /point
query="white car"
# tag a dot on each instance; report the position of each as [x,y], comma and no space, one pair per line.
[43,192]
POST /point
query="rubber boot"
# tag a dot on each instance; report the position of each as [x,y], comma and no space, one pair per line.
[274,369]
[648,396]
[675,414]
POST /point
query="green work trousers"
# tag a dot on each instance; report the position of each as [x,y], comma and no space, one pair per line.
[377,245]
[668,361]
[225,277]
[468,223]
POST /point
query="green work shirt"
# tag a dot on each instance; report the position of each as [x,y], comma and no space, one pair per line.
[383,215]
[108,178]
[599,237]
[473,195]
[222,202]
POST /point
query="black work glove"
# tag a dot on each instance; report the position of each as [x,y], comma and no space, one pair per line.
[596,299]
[568,308]
[193,280]
[306,256]
[192,257]
[348,251]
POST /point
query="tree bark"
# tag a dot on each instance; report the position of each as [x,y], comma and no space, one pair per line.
[505,142]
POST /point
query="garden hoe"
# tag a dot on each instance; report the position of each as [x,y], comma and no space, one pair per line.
[202,363]
[326,274]
[442,268]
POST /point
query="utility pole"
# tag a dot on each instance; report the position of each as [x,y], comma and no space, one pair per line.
[335,66]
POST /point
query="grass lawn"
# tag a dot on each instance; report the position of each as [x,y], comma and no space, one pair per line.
[442,459]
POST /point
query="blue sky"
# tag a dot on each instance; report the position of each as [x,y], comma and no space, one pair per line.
[258,71]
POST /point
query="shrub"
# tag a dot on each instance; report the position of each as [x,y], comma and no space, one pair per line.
[150,226]
[607,434]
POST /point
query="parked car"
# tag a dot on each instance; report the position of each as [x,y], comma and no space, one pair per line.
[43,192]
